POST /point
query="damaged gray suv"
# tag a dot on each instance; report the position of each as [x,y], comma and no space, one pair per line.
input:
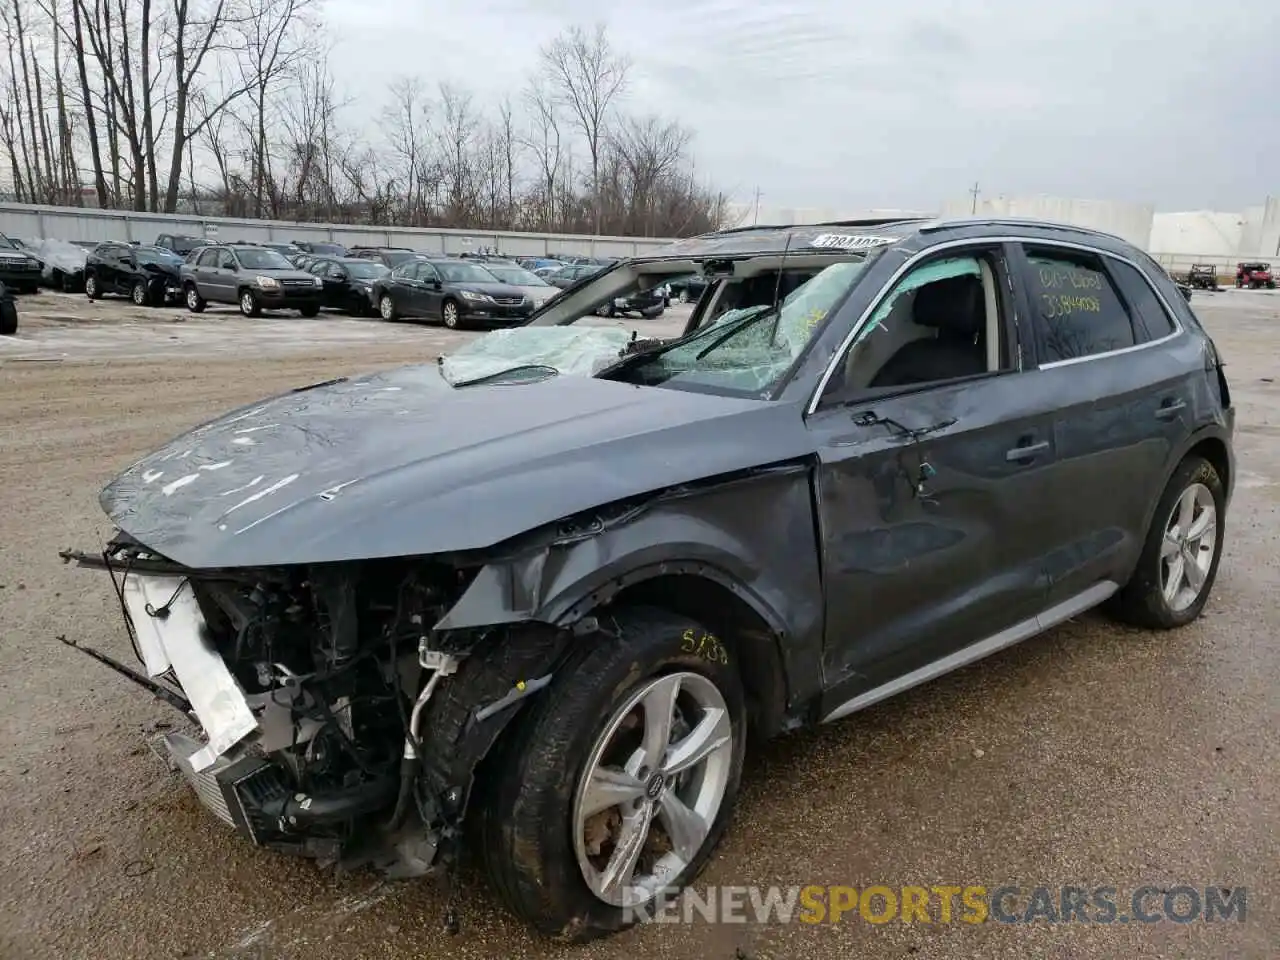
[535,600]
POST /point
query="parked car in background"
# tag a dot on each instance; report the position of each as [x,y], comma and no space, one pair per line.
[61,263]
[180,244]
[455,292]
[19,271]
[322,248]
[8,312]
[286,248]
[388,256]
[559,589]
[649,303]
[150,276]
[254,278]
[688,289]
[538,263]
[348,283]
[530,284]
[570,274]
[1255,276]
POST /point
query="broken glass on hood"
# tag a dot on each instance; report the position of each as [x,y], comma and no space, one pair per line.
[582,351]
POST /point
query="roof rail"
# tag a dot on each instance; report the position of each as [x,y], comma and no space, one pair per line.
[870,221]
[948,222]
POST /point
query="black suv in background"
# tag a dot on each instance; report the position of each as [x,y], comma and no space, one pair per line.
[321,248]
[348,283]
[149,276]
[455,292]
[254,277]
[389,257]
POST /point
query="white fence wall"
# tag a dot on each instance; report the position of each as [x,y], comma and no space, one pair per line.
[1131,221]
[27,221]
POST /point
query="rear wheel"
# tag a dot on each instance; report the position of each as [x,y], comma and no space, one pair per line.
[249,305]
[617,786]
[195,302]
[1179,561]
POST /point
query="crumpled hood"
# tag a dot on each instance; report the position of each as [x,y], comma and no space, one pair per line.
[402,464]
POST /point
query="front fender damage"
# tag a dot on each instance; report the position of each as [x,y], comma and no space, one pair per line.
[750,538]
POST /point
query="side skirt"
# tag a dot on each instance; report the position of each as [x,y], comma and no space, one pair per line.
[983,648]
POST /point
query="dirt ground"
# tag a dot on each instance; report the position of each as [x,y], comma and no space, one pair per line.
[1093,755]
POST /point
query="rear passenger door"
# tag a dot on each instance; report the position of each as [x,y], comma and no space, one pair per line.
[1116,373]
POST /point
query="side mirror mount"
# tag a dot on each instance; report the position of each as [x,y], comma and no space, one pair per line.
[437,285]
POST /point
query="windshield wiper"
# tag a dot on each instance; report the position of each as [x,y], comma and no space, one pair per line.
[550,371]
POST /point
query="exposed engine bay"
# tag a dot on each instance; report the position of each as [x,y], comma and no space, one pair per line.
[314,687]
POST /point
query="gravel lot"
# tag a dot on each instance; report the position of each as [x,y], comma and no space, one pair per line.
[1093,755]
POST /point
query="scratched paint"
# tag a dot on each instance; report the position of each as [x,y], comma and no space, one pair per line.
[266,491]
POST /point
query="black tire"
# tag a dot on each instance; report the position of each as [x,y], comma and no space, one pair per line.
[8,317]
[195,302]
[310,310]
[605,310]
[652,314]
[387,308]
[140,294]
[91,286]
[683,296]
[527,806]
[450,314]
[1141,602]
[248,301]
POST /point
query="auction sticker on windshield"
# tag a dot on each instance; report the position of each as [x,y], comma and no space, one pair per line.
[847,241]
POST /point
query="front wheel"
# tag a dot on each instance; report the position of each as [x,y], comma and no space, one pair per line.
[310,310]
[1179,561]
[613,792]
[449,313]
[140,294]
[249,305]
[91,286]
[387,307]
[195,302]
[683,296]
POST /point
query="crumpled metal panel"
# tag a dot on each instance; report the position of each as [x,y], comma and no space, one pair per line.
[172,635]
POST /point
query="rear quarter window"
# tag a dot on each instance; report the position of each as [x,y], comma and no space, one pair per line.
[1075,306]
[1151,319]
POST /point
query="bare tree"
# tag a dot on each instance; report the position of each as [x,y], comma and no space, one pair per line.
[589,77]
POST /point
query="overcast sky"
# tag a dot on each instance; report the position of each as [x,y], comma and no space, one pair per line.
[841,103]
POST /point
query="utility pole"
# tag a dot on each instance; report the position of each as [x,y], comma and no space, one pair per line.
[755,220]
[974,194]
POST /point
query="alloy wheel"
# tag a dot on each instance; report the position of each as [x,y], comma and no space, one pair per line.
[1186,556]
[651,788]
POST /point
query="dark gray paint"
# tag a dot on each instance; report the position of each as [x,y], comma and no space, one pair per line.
[859,575]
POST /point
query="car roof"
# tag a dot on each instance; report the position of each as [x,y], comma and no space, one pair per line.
[840,235]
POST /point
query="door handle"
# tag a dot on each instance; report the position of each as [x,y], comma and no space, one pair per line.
[1170,408]
[1026,452]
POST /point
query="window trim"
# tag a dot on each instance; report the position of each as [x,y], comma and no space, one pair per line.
[815,397]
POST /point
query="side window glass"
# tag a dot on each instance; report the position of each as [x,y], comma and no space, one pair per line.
[427,273]
[207,259]
[1151,318]
[1075,306]
[225,260]
[939,322]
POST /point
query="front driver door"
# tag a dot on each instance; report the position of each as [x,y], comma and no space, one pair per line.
[430,294]
[929,540]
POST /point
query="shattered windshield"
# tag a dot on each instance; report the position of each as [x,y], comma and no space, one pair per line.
[547,350]
[749,349]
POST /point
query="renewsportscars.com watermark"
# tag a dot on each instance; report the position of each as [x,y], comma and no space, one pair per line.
[972,904]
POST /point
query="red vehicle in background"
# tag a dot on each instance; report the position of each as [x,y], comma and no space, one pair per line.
[1254,276]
